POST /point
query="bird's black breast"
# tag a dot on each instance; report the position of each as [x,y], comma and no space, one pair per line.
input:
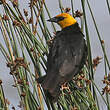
[66,53]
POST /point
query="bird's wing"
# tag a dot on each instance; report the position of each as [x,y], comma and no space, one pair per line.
[63,59]
[71,64]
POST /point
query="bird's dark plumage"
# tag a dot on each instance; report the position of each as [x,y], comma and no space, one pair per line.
[66,58]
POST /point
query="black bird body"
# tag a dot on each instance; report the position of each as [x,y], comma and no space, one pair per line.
[67,56]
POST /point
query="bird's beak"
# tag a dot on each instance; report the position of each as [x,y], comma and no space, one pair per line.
[53,20]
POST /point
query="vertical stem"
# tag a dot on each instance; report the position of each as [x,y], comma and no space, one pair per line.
[60,5]
[89,48]
[31,5]
[107,96]
[108,6]
[72,7]
[7,40]
[49,17]
[2,95]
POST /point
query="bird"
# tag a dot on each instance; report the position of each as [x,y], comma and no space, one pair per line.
[67,55]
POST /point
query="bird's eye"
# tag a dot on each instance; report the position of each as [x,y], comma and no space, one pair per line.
[60,18]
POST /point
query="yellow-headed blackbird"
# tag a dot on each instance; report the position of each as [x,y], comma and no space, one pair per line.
[67,55]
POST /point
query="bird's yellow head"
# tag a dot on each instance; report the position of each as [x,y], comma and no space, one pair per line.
[63,19]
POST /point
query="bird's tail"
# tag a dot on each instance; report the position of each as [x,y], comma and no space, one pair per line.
[51,86]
